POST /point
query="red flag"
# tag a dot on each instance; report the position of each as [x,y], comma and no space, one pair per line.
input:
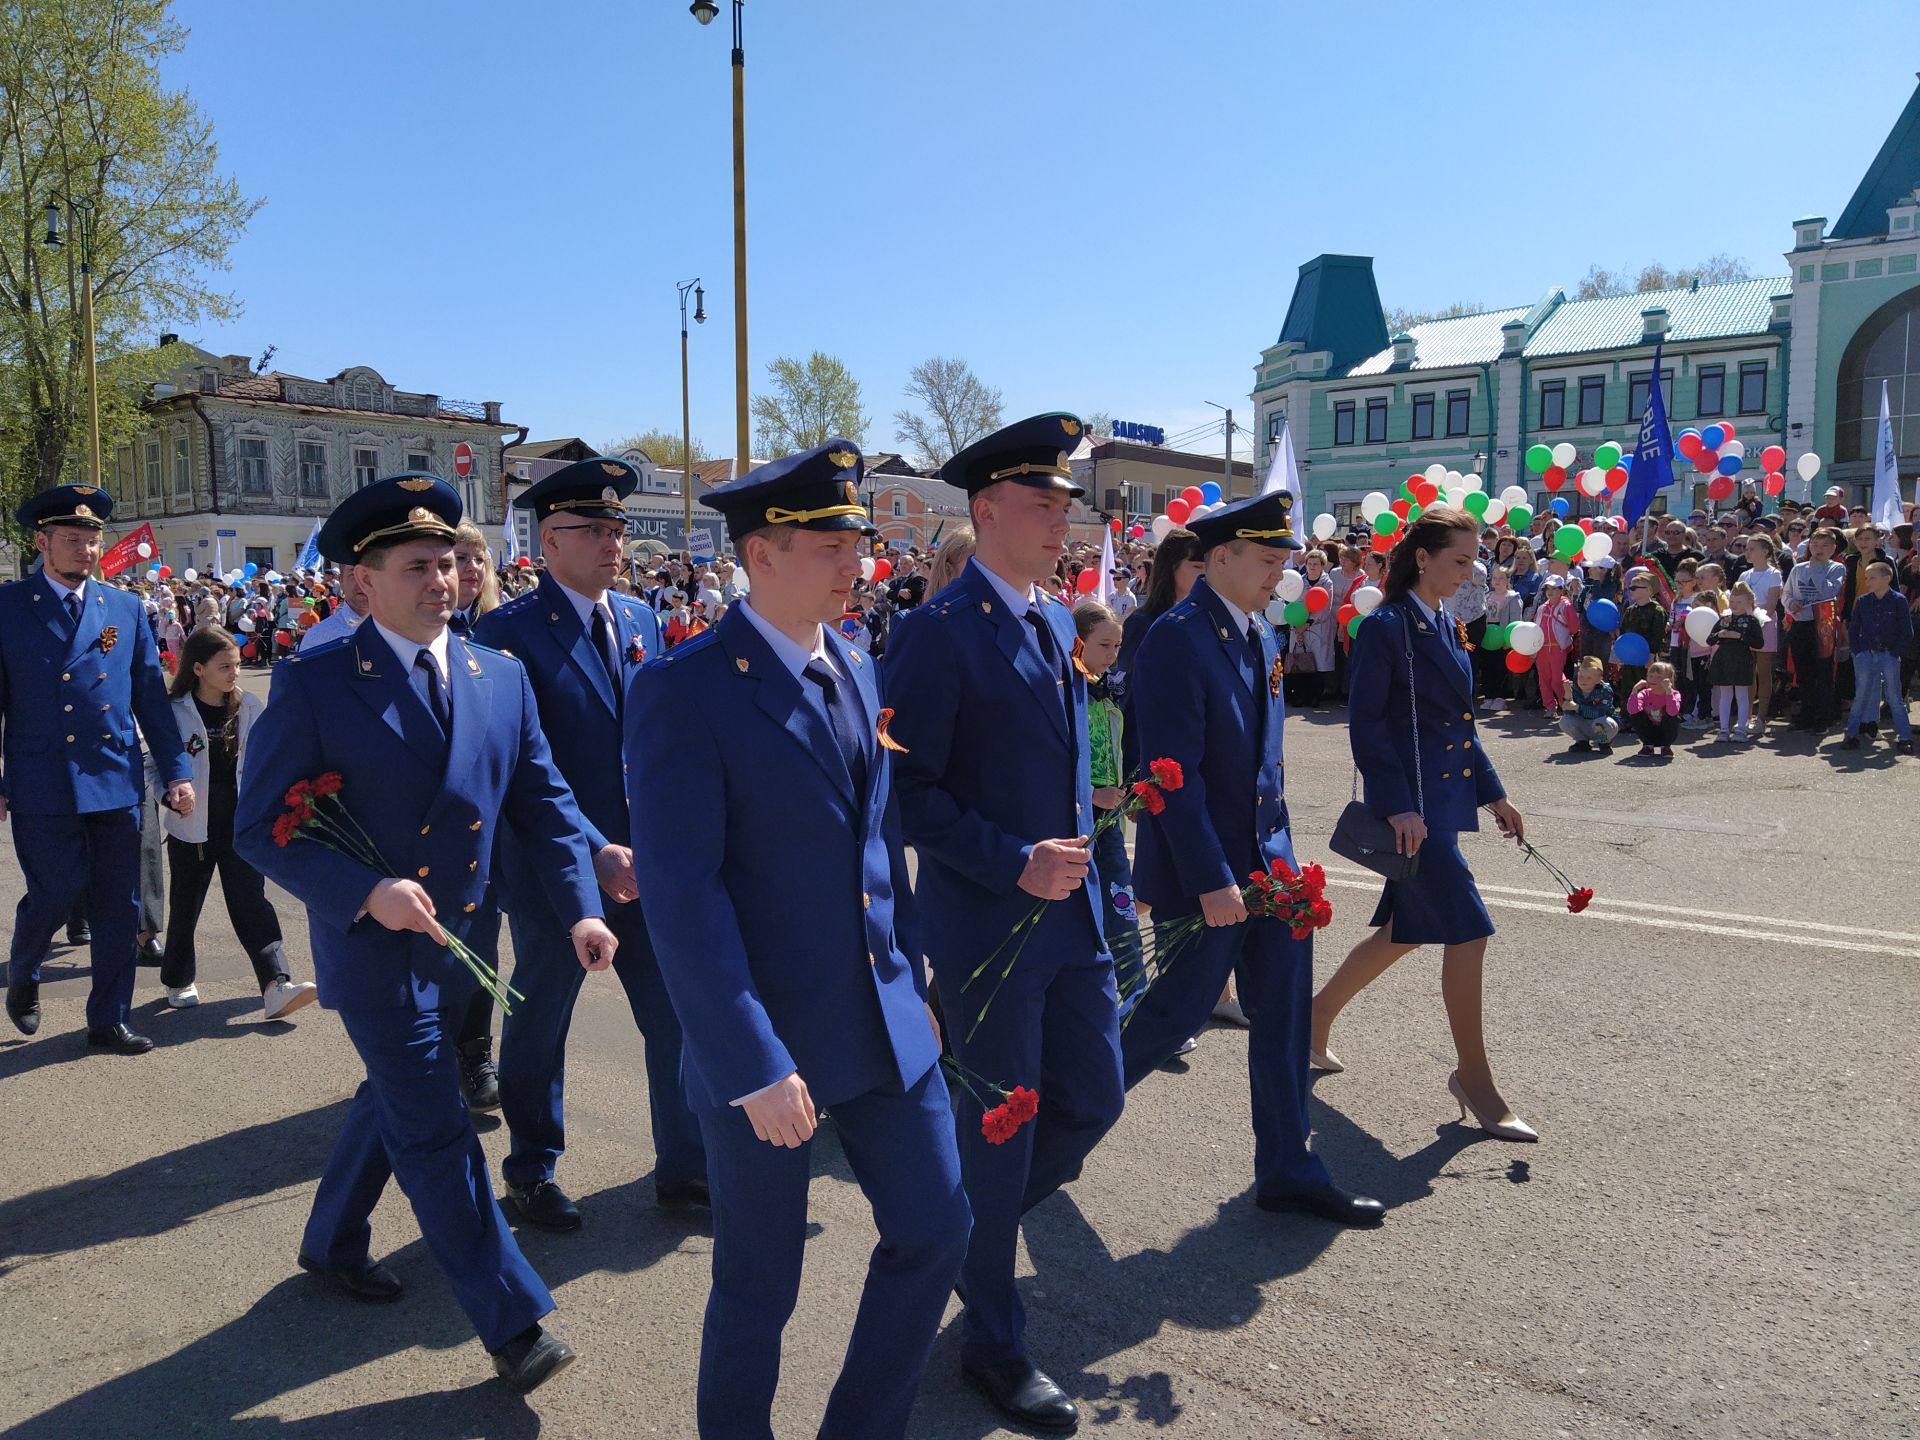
[127,550]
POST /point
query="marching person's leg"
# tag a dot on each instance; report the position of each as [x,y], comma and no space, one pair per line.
[53,855]
[1081,1088]
[192,871]
[1276,985]
[679,1153]
[113,910]
[533,1060]
[337,1237]
[902,1153]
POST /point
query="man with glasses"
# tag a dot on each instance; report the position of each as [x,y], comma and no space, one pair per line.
[581,646]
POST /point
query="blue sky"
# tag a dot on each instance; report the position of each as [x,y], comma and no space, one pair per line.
[1100,206]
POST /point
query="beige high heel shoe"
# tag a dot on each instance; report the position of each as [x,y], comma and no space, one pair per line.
[1325,1060]
[1517,1129]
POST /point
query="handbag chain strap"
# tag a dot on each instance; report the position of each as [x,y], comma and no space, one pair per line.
[1413,714]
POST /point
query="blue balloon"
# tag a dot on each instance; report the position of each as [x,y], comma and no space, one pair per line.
[1630,649]
[252,565]
[1558,505]
[1210,493]
[1604,615]
[1626,463]
[1684,433]
[1729,465]
[1713,437]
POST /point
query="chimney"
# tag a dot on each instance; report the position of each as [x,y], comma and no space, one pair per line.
[1653,323]
[492,411]
[236,366]
[1403,348]
[169,338]
[1513,337]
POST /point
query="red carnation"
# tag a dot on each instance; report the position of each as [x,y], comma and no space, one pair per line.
[1302,931]
[1314,877]
[300,794]
[330,783]
[1279,866]
[283,829]
[1023,1104]
[1322,912]
[1150,796]
[1167,774]
[998,1125]
[1579,900]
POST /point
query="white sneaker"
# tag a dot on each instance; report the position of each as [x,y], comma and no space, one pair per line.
[182,997]
[283,997]
[1491,704]
[1188,1046]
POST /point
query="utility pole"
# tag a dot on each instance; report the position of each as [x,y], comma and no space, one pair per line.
[1226,478]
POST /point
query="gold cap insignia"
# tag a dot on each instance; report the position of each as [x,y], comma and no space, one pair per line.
[421,515]
[1072,427]
[1063,461]
[85,490]
[851,495]
[419,484]
[609,468]
[842,458]
[1286,499]
[610,495]
[81,512]
[742,663]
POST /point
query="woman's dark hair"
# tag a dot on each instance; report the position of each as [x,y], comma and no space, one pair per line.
[1179,547]
[200,647]
[1511,542]
[1433,532]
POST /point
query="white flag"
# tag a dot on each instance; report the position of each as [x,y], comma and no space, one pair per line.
[1103,592]
[219,566]
[1284,474]
[1886,471]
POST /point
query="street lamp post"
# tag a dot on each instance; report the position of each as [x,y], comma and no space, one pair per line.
[83,223]
[686,422]
[705,11]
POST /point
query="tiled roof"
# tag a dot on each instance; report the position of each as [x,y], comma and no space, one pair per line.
[1465,340]
[1712,312]
[260,387]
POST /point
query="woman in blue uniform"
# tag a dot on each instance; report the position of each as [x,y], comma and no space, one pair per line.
[1410,721]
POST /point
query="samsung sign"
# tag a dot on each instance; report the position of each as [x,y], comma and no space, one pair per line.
[1145,434]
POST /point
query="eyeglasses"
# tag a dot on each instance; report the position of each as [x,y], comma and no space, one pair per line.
[602,532]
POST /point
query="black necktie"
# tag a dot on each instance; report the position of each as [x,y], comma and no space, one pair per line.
[73,612]
[603,647]
[1043,632]
[428,685]
[458,623]
[1253,644]
[843,716]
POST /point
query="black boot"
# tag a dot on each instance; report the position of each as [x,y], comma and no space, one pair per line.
[479,1083]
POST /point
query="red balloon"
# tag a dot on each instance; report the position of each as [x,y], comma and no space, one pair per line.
[881,570]
[1586,525]
[1116,527]
[524,562]
[1316,599]
[1087,581]
[1412,482]
[1720,487]
[249,650]
[1519,664]
[1705,460]
[1617,478]
[1400,508]
[1726,427]
[1382,544]
[1343,617]
[1426,492]
[1688,444]
[166,572]
[1178,509]
[1136,532]
[1194,495]
[1553,477]
[1776,482]
[1773,458]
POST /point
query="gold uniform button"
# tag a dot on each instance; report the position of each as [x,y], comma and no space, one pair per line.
[1467,771]
[473,864]
[1466,744]
[425,828]
[67,708]
[471,906]
[474,826]
[1449,745]
[1467,715]
[69,739]
[866,901]
[422,871]
[66,677]
[1445,776]
[871,961]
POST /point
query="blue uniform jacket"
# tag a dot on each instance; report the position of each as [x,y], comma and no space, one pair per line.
[429,806]
[1456,778]
[68,705]
[779,906]
[995,762]
[1202,699]
[542,630]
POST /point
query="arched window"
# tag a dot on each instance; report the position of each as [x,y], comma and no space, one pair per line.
[1886,347]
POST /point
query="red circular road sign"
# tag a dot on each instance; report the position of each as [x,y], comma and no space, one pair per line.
[463,459]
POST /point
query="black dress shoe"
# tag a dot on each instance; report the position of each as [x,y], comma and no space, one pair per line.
[1022,1392]
[151,955]
[23,1006]
[1329,1202]
[371,1282]
[545,1206]
[120,1040]
[81,934]
[479,1081]
[683,1195]
[531,1358]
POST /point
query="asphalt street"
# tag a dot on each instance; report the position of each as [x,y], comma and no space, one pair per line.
[1715,1237]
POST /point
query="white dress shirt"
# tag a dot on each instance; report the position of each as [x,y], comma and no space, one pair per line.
[1017,601]
[341,623]
[584,608]
[406,650]
[1242,621]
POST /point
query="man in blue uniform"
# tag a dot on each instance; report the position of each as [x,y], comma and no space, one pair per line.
[435,740]
[1207,693]
[996,797]
[581,645]
[781,913]
[78,668]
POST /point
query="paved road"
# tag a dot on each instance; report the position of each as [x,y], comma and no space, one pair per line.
[1716,1236]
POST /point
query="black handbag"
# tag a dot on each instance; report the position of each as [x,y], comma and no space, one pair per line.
[1363,837]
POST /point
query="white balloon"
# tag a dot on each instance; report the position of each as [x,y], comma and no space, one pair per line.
[1324,527]
[1526,638]
[1371,504]
[143,550]
[1513,495]
[1495,512]
[1457,497]
[1733,447]
[192,575]
[866,568]
[1476,482]
[1563,454]
[1159,528]
[1700,623]
[1593,482]
[1365,599]
[1436,472]
[1454,477]
[1597,544]
[1277,610]
[274,577]
[1293,584]
[246,624]
[1808,465]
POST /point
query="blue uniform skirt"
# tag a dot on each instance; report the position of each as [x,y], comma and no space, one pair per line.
[1440,905]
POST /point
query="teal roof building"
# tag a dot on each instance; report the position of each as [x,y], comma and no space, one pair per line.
[1795,358]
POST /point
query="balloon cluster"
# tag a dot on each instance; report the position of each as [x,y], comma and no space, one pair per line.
[1190,504]
[1608,475]
[1436,485]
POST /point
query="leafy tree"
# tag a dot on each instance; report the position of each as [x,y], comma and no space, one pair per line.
[86,124]
[1400,321]
[812,401]
[662,447]
[959,410]
[1099,425]
[1599,283]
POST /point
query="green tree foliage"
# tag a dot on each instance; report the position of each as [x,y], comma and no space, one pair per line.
[662,447]
[1400,321]
[86,124]
[812,401]
[1598,283]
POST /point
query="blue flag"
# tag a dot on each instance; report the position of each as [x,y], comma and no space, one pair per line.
[1652,455]
[309,557]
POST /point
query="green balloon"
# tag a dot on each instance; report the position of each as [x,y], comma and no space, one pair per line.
[1296,612]
[1353,625]
[1385,523]
[1476,503]
[1495,638]
[1567,541]
[1519,517]
[1415,511]
[1539,457]
[1607,456]
[1406,492]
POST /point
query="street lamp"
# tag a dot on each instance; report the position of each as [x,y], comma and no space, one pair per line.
[82,211]
[686,423]
[705,11]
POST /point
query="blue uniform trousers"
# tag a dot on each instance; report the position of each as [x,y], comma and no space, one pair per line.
[1061,1026]
[533,1042]
[900,1149]
[408,1120]
[1275,974]
[65,858]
